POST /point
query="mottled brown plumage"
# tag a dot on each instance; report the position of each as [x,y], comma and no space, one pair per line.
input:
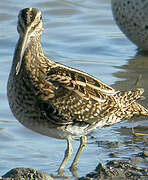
[59,101]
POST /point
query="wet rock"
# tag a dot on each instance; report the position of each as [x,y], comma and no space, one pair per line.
[117,170]
[113,170]
[25,173]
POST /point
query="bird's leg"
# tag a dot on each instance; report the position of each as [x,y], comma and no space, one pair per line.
[67,156]
[81,147]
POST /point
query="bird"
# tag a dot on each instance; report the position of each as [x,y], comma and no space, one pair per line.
[58,101]
[131,17]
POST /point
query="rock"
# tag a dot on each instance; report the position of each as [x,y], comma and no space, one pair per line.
[25,173]
[116,170]
[113,170]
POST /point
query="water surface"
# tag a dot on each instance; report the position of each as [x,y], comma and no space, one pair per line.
[83,35]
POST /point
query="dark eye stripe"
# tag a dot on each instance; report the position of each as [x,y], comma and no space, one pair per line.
[28,16]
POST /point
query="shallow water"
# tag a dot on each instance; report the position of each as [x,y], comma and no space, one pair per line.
[83,35]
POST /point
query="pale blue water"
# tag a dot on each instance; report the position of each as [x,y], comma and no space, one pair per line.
[80,34]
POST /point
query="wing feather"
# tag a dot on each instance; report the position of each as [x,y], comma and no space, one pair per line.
[74,95]
[79,82]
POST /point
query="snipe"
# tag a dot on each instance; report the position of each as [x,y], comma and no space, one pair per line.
[58,101]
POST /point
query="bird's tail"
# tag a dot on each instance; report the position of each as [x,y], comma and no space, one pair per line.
[128,102]
[138,109]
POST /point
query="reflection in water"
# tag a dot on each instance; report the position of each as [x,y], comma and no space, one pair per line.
[137,66]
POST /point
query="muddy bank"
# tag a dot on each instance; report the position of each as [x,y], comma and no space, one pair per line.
[116,170]
[124,170]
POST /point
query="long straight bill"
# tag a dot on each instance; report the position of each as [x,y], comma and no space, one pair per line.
[23,46]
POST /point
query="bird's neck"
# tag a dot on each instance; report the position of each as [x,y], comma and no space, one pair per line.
[34,60]
[34,63]
[34,46]
[32,53]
